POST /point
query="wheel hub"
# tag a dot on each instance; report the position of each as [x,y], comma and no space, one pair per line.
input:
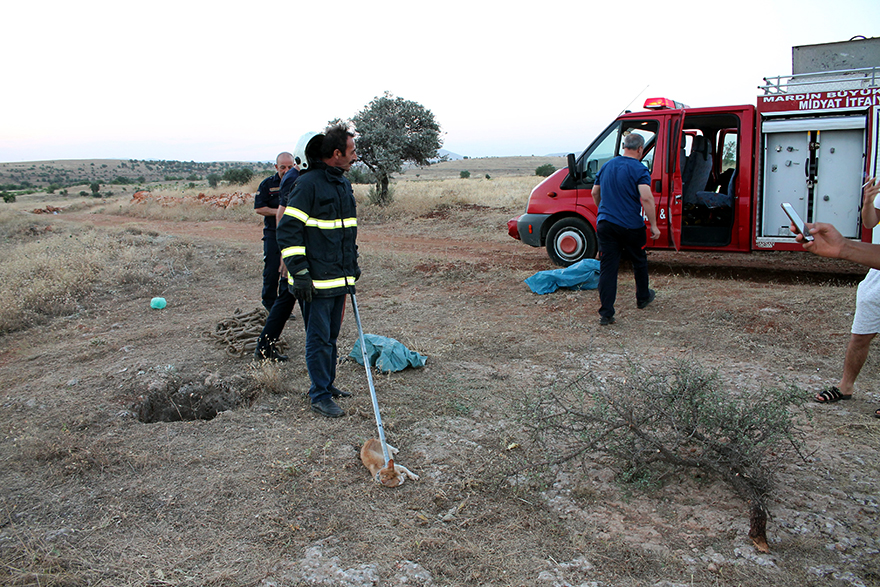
[570,243]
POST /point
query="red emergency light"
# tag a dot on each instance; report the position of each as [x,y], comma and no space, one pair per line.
[662,103]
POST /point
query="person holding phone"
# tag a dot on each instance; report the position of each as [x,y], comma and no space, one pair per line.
[828,242]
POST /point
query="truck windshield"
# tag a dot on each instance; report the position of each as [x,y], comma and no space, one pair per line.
[610,144]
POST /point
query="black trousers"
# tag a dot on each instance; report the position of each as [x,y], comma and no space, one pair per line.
[322,318]
[614,242]
[271,270]
[278,316]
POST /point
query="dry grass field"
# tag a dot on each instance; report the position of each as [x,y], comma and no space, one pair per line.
[269,494]
[479,167]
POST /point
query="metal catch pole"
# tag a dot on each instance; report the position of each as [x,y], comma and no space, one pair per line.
[357,319]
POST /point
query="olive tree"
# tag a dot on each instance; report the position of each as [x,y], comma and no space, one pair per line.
[393,131]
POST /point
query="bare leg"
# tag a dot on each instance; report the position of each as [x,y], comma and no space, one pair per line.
[856,355]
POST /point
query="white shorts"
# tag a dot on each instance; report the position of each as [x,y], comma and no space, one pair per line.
[867,317]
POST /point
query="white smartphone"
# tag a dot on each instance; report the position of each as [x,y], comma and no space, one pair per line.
[796,220]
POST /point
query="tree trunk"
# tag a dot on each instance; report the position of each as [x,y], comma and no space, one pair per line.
[758,526]
[382,189]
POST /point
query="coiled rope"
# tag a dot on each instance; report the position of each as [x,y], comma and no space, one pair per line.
[239,334]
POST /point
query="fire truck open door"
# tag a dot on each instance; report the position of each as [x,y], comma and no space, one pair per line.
[674,164]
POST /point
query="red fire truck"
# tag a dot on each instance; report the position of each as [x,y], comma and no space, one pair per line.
[719,174]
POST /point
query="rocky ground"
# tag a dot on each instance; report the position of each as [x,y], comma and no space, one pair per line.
[270,494]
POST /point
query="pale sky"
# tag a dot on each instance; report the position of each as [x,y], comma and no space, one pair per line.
[212,81]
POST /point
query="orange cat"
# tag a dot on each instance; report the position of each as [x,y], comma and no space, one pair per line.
[373,459]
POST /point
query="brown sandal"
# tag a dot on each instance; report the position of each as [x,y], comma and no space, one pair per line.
[831,395]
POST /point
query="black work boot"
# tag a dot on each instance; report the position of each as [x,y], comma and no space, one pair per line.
[327,407]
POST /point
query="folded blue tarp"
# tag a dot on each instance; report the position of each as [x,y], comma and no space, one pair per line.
[582,275]
[386,354]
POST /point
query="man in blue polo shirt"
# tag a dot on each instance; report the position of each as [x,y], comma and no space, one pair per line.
[622,192]
[266,205]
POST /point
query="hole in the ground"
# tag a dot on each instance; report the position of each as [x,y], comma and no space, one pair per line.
[189,401]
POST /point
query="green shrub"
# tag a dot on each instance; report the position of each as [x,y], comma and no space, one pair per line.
[677,416]
[545,170]
[464,174]
[95,187]
[213,180]
[375,198]
[238,176]
[7,197]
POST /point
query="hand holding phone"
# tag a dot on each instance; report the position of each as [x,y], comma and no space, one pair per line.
[796,220]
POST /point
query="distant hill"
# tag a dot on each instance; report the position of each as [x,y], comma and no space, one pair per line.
[64,173]
[449,155]
[72,172]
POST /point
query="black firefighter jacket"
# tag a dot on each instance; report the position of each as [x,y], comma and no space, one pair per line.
[318,231]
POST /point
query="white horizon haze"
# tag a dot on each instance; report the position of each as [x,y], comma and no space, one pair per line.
[210,82]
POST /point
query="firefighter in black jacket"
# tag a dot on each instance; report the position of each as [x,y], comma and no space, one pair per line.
[317,236]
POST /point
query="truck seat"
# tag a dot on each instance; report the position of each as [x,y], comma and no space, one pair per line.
[697,168]
[717,199]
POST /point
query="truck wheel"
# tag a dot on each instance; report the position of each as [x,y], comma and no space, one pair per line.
[571,240]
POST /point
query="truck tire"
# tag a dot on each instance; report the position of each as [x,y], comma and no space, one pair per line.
[570,240]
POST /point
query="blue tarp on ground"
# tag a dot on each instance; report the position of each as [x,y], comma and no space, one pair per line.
[386,354]
[582,275]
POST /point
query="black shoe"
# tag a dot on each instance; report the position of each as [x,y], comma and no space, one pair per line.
[651,295]
[339,393]
[606,320]
[327,408]
[266,354]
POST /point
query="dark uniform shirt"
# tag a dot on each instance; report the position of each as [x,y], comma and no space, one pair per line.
[287,186]
[267,197]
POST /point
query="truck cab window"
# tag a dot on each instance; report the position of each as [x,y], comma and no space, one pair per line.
[599,153]
[648,130]
[610,144]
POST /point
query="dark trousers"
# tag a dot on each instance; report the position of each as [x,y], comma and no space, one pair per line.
[271,270]
[278,316]
[322,318]
[614,242]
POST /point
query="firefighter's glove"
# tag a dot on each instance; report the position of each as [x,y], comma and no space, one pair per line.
[303,288]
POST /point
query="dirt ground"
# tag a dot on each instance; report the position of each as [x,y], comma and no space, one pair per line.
[269,494]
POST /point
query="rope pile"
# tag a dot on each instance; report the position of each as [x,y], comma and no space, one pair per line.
[239,334]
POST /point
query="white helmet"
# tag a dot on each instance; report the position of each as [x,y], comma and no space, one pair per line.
[308,150]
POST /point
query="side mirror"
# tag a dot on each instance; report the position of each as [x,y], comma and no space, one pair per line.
[592,170]
[572,172]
